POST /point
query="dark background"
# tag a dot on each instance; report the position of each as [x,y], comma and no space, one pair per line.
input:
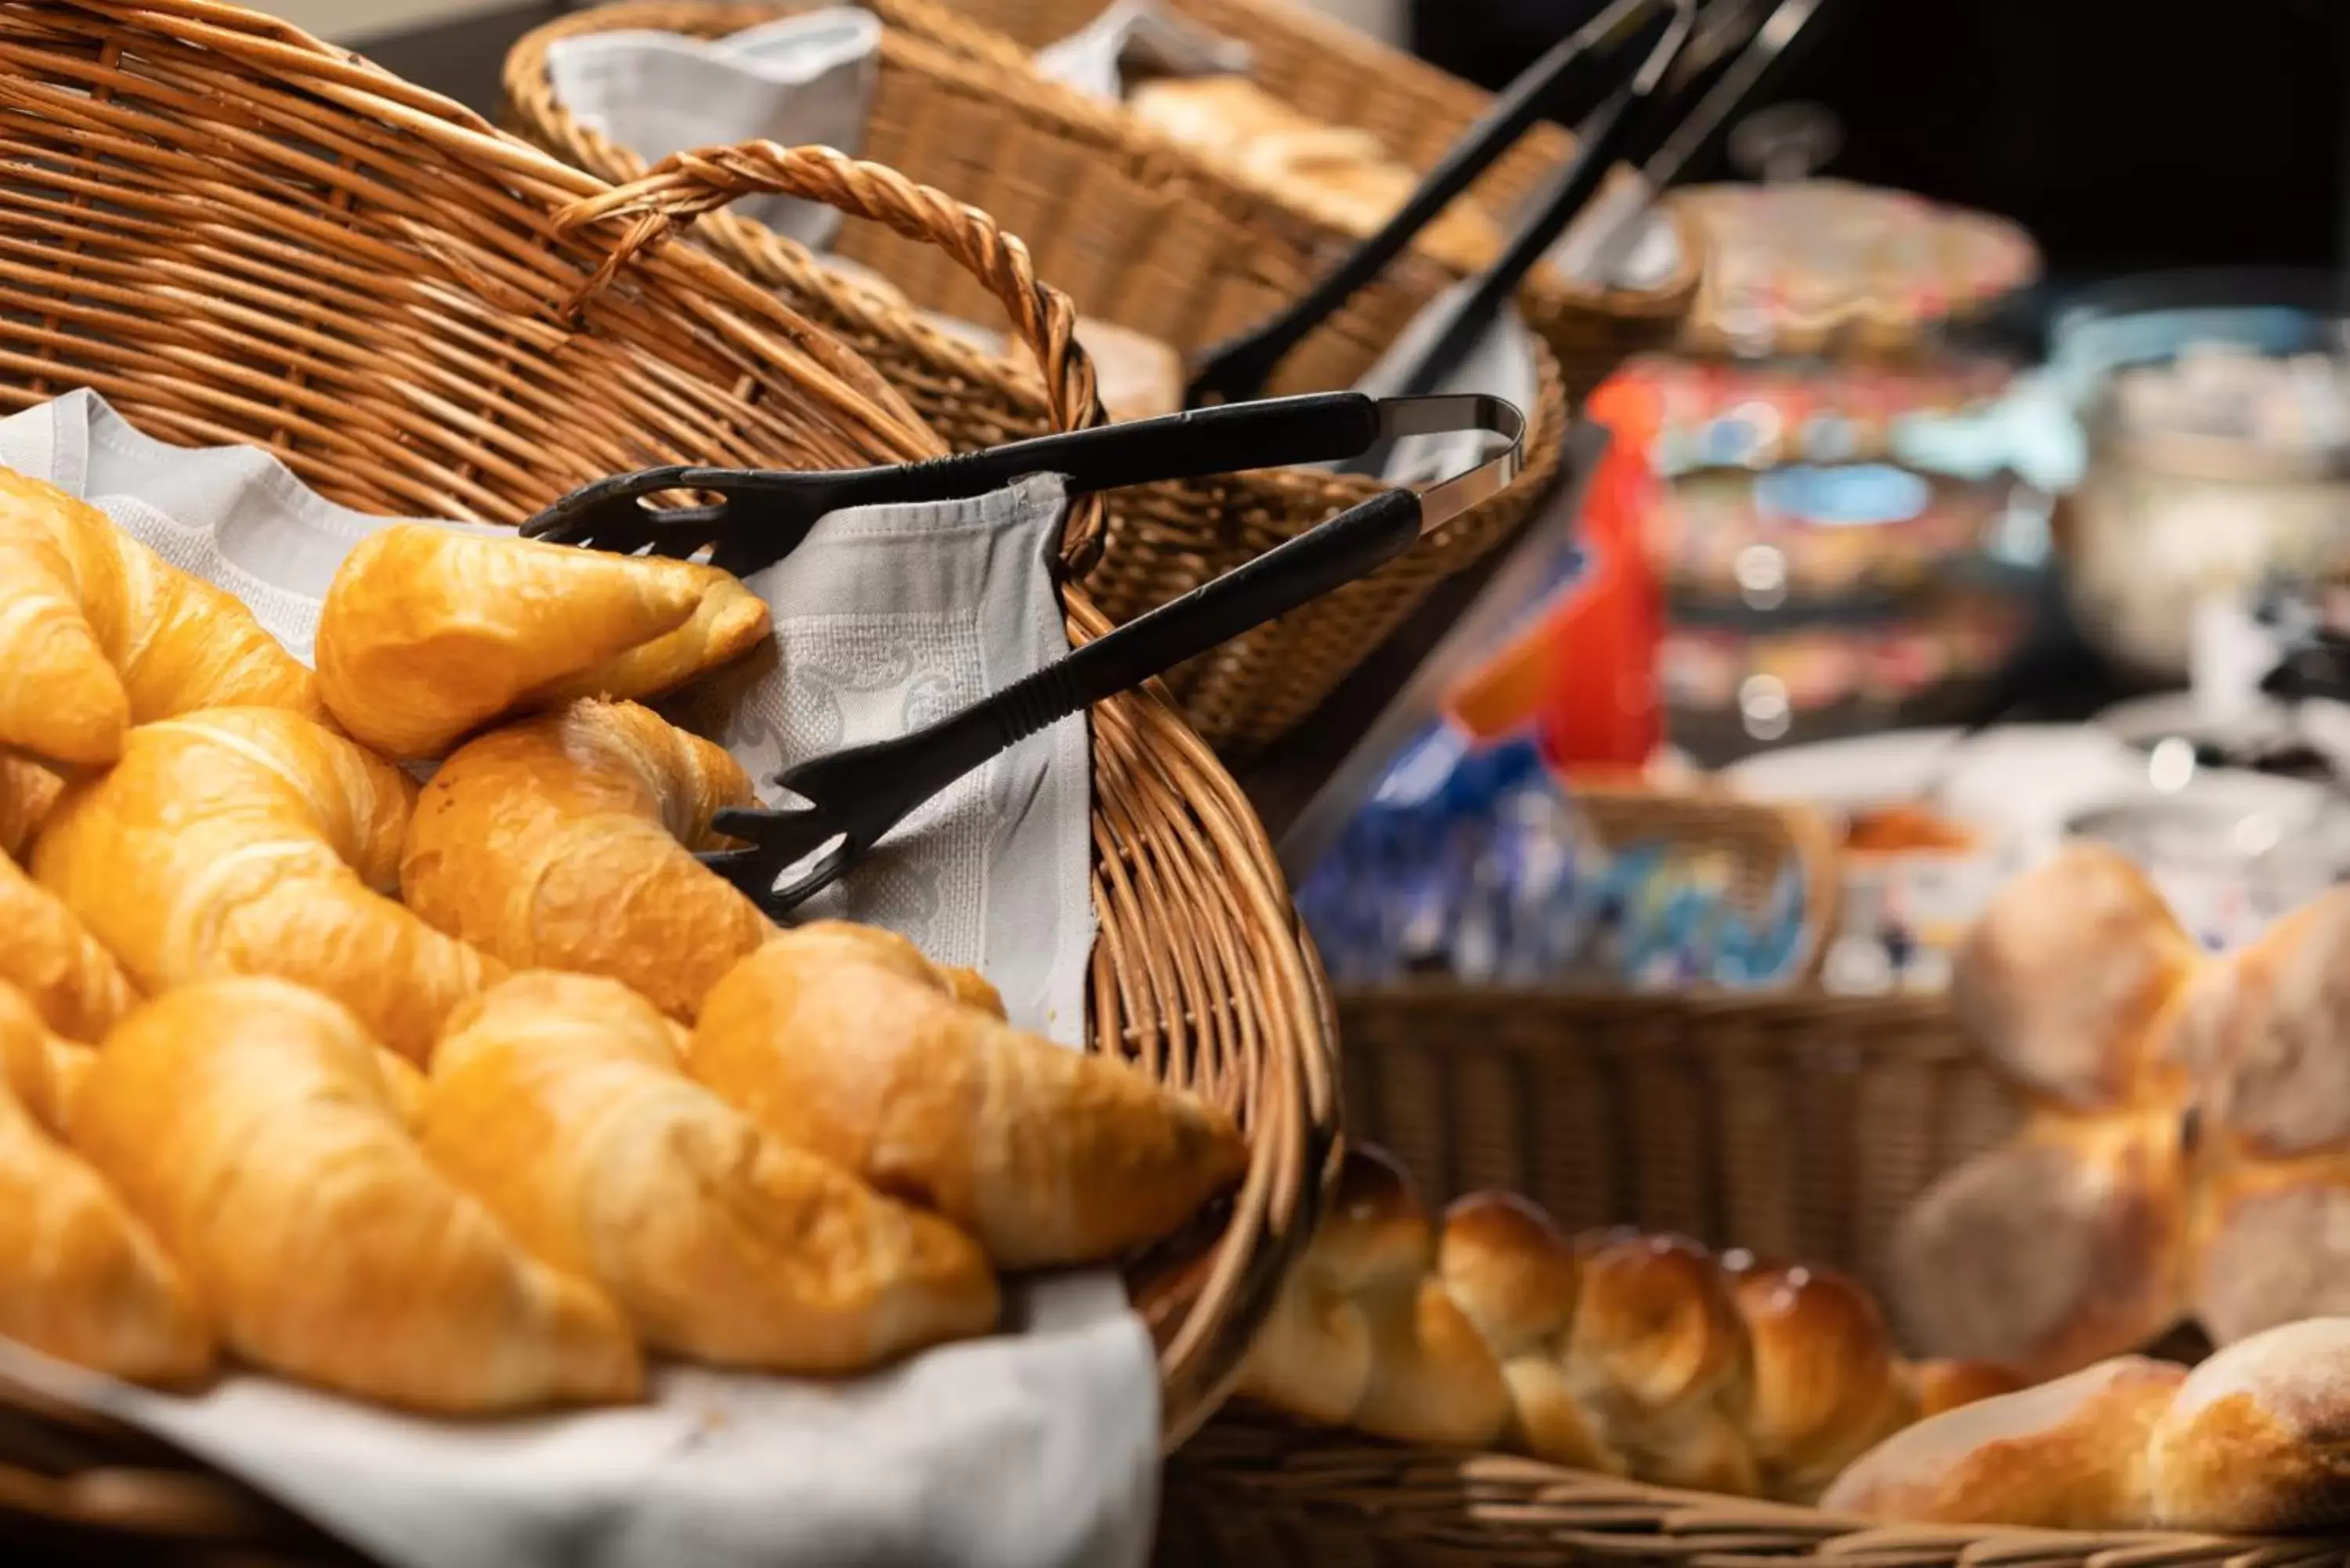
[2125,137]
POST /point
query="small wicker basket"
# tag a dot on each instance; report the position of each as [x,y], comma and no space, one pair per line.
[1800,1126]
[1132,233]
[1343,77]
[239,234]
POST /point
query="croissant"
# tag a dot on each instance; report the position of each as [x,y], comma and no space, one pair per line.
[27,791]
[80,1279]
[250,840]
[2069,1243]
[427,634]
[247,1121]
[1048,1155]
[1616,1352]
[567,840]
[560,1100]
[2247,1443]
[75,984]
[99,633]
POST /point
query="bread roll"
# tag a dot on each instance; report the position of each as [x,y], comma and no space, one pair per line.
[1048,1155]
[1618,1353]
[247,1121]
[567,841]
[99,633]
[428,634]
[560,1100]
[2067,1455]
[80,1278]
[250,840]
[2252,1440]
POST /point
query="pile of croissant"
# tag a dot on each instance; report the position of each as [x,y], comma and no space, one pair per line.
[1650,1357]
[469,1099]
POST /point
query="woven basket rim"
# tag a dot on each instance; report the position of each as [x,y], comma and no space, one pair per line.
[1525,1503]
[957,48]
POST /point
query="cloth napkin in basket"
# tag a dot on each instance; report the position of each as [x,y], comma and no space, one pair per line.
[1037,1446]
[805,79]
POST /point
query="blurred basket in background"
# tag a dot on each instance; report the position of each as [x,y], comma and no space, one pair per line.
[1139,234]
[1343,77]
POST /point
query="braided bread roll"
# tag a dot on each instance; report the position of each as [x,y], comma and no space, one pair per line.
[1632,1355]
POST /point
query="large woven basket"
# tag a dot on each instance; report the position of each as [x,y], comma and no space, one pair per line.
[1135,235]
[1341,76]
[239,234]
[1799,1126]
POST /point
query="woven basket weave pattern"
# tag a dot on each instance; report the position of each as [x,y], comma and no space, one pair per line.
[1135,232]
[239,234]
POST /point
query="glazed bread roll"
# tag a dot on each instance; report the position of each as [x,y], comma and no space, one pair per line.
[49,955]
[247,1120]
[428,634]
[99,633]
[1621,1353]
[250,840]
[2248,1442]
[560,1100]
[568,841]
[2070,1244]
[80,1278]
[1048,1155]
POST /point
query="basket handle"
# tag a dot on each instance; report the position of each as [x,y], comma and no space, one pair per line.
[684,185]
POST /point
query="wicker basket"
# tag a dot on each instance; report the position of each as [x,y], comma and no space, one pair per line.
[1132,233]
[1341,76]
[237,233]
[1799,1126]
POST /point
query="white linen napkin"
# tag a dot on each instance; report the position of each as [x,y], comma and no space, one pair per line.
[805,80]
[1036,1446]
[1143,37]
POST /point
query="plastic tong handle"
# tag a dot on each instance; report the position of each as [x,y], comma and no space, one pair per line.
[865,791]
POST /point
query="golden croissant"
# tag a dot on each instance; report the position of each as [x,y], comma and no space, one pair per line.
[567,841]
[428,634]
[1048,1155]
[558,1099]
[80,1278]
[47,953]
[250,840]
[99,633]
[247,1121]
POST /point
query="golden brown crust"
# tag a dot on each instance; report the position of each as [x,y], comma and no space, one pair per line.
[558,1099]
[428,634]
[80,1278]
[250,840]
[2066,980]
[1660,1354]
[99,633]
[568,841]
[1511,1268]
[1939,1385]
[247,1121]
[27,791]
[1828,1386]
[1048,1155]
[2060,1248]
[2257,1439]
[49,955]
[2067,1455]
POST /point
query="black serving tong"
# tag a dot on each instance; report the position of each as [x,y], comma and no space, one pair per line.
[853,797]
[750,518]
[1240,368]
